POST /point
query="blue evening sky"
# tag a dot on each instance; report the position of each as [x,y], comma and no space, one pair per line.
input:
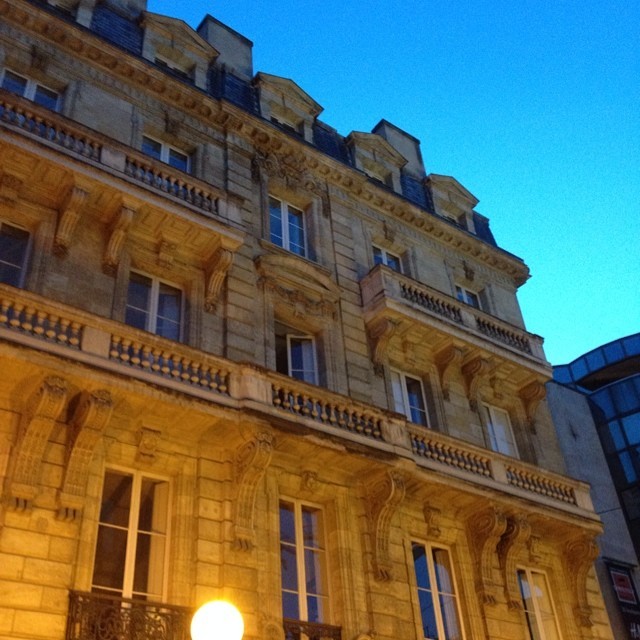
[533,106]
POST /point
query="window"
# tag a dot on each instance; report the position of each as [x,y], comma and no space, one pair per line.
[382,256]
[287,226]
[439,606]
[538,608]
[499,430]
[14,246]
[173,68]
[408,397]
[296,355]
[154,306]
[468,297]
[31,90]
[132,536]
[165,153]
[302,563]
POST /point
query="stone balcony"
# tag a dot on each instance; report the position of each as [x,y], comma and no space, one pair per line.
[28,320]
[430,316]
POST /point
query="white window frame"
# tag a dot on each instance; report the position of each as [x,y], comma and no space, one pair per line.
[133,531]
[287,209]
[300,549]
[385,257]
[165,153]
[536,614]
[27,253]
[434,590]
[31,87]
[468,296]
[491,418]
[404,400]
[154,296]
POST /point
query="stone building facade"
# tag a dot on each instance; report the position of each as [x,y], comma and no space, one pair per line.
[245,356]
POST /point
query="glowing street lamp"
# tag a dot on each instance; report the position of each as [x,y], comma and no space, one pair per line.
[217,620]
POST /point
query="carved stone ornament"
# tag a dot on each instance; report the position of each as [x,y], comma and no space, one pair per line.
[117,236]
[513,542]
[217,270]
[485,529]
[309,481]
[380,333]
[448,361]
[474,371]
[43,409]
[580,554]
[148,443]
[301,304]
[532,395]
[289,168]
[92,414]
[10,188]
[383,498]
[166,253]
[68,218]
[251,461]
[432,520]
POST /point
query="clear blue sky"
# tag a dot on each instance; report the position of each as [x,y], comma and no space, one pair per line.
[533,106]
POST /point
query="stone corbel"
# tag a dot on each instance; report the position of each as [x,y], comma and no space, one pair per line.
[448,361]
[90,417]
[148,442]
[166,253]
[579,555]
[251,461]
[432,520]
[69,215]
[43,409]
[485,528]
[474,371]
[513,541]
[531,396]
[380,333]
[383,498]
[217,270]
[118,233]
[10,188]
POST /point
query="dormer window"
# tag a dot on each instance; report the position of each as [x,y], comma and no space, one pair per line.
[378,174]
[174,68]
[165,153]
[31,90]
[287,124]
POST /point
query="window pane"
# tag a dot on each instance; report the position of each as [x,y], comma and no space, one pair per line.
[116,499]
[111,550]
[154,496]
[631,426]
[428,615]
[398,393]
[416,401]
[316,609]
[393,262]
[152,148]
[13,252]
[287,524]
[311,527]
[313,572]
[288,567]
[275,222]
[179,160]
[499,430]
[545,608]
[527,601]
[296,231]
[302,356]
[138,299]
[378,258]
[290,608]
[168,312]
[14,83]
[46,98]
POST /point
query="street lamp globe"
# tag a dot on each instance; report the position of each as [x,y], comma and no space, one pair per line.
[217,620]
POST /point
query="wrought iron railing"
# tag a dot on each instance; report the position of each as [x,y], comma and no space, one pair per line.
[100,617]
[301,630]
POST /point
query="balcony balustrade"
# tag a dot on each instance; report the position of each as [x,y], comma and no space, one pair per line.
[301,630]
[29,319]
[388,293]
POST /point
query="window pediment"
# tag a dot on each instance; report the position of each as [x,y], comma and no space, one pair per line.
[450,197]
[373,146]
[178,35]
[280,90]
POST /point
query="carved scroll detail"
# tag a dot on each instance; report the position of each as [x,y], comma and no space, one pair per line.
[580,554]
[251,462]
[531,395]
[91,415]
[217,270]
[432,520]
[380,333]
[43,409]
[384,496]
[448,360]
[68,219]
[485,529]
[473,372]
[119,230]
[513,542]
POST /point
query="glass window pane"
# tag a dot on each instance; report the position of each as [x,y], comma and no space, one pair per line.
[393,262]
[116,499]
[311,527]
[316,609]
[314,572]
[428,615]
[415,396]
[290,608]
[14,243]
[14,83]
[289,567]
[169,311]
[628,467]
[615,439]
[275,222]
[152,148]
[302,356]
[398,393]
[420,566]
[499,428]
[287,523]
[139,291]
[450,620]
[631,425]
[545,608]
[296,231]
[154,497]
[377,256]
[179,160]
[46,97]
[111,550]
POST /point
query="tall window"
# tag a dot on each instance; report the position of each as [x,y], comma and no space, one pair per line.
[408,397]
[303,562]
[468,297]
[538,608]
[382,256]
[30,89]
[163,152]
[296,355]
[14,246]
[439,606]
[286,224]
[499,430]
[132,536]
[154,306]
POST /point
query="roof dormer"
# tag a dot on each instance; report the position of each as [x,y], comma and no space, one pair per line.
[452,200]
[172,44]
[373,155]
[285,104]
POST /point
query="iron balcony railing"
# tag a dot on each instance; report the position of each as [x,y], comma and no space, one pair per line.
[302,630]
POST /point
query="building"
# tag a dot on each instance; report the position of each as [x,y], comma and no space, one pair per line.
[245,356]
[595,404]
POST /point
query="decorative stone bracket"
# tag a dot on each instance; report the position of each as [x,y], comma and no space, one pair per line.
[432,520]
[531,396]
[383,498]
[119,229]
[580,554]
[43,409]
[513,542]
[217,270]
[68,219]
[448,361]
[485,528]
[251,461]
[92,414]
[380,333]
[474,371]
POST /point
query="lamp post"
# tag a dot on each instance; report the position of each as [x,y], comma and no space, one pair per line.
[217,620]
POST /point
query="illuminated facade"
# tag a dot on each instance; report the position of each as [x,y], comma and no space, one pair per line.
[247,357]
